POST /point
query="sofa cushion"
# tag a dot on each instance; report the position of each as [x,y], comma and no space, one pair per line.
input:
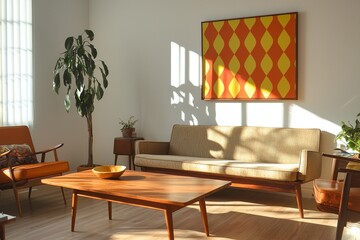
[271,171]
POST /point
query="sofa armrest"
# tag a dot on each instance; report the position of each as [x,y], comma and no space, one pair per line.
[151,147]
[309,166]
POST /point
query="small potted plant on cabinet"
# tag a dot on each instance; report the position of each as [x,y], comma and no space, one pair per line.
[128,127]
[350,134]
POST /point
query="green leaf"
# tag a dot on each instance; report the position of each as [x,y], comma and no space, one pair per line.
[58,65]
[87,63]
[105,81]
[99,92]
[80,40]
[357,124]
[80,81]
[79,68]
[90,34]
[67,77]
[56,83]
[91,68]
[105,68]
[93,51]
[81,51]
[69,43]
[79,98]
[67,102]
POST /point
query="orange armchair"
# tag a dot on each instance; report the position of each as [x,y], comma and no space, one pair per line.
[21,168]
[340,196]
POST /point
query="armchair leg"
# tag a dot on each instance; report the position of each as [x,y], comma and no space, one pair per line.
[299,199]
[29,194]
[63,194]
[16,194]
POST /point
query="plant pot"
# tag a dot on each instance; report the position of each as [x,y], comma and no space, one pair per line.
[128,132]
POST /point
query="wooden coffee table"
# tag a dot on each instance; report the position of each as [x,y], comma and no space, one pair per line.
[152,190]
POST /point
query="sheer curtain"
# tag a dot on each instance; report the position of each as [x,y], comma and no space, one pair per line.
[16,72]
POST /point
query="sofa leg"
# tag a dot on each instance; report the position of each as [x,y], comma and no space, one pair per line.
[299,199]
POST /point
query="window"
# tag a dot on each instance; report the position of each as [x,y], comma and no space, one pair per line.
[16,77]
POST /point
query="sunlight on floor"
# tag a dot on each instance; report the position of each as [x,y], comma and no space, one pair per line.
[355,231]
[232,214]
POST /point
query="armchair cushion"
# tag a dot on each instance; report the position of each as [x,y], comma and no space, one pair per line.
[25,164]
[31,171]
[20,154]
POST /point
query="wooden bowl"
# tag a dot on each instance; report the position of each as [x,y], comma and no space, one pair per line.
[109,172]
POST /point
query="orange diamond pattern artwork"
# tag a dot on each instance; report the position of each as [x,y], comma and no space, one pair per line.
[250,58]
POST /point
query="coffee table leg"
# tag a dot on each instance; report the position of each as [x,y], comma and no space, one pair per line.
[169,223]
[2,232]
[74,207]
[204,216]
[110,210]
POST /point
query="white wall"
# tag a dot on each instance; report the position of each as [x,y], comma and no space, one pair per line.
[139,39]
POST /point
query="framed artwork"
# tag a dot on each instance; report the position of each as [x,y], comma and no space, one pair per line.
[250,58]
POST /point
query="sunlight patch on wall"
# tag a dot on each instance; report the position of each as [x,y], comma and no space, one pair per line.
[228,113]
[300,117]
[194,68]
[185,83]
[177,72]
[265,114]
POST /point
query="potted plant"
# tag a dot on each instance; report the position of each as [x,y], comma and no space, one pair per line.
[350,134]
[77,67]
[128,128]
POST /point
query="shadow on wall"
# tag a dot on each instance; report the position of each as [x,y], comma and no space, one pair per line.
[185,87]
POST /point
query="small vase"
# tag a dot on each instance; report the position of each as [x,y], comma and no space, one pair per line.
[128,132]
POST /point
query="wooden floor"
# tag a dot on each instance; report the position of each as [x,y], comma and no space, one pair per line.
[232,214]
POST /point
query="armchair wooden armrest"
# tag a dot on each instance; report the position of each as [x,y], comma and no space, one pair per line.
[49,150]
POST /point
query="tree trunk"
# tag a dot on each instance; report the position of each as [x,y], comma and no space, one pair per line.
[90,162]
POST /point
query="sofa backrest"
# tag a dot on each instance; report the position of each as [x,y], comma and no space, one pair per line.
[244,143]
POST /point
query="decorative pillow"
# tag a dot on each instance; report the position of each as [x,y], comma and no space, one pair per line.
[3,159]
[20,154]
[3,149]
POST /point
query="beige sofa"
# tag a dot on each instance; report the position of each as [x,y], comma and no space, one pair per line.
[273,159]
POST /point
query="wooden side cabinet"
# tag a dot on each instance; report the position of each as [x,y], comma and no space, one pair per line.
[126,146]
